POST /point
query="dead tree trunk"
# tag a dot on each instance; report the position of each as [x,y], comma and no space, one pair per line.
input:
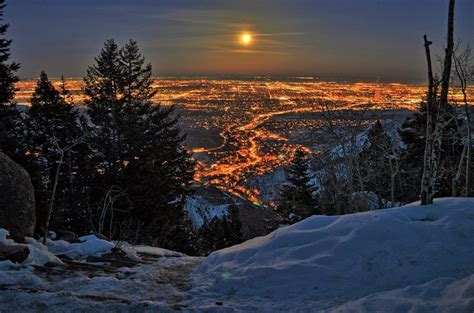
[457,176]
[434,137]
[427,170]
[394,170]
[467,191]
[448,59]
[53,195]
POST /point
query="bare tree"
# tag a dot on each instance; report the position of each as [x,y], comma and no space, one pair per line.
[61,151]
[430,104]
[436,119]
[113,195]
[464,67]
[344,125]
[393,162]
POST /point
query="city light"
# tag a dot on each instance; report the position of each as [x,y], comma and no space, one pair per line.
[239,130]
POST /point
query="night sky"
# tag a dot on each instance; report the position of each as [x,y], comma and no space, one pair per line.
[347,39]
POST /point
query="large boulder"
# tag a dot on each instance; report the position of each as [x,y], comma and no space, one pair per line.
[17,199]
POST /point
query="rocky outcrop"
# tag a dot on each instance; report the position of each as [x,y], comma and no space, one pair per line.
[17,200]
[14,253]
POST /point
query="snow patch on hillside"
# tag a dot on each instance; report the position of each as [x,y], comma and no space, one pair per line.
[200,210]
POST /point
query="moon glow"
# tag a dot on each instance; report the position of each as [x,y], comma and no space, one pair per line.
[246,39]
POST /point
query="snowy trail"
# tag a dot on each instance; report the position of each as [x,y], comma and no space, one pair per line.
[159,286]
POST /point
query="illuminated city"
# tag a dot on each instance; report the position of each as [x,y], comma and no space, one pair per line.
[242,129]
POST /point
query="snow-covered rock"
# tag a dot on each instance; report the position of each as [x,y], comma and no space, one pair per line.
[38,254]
[153,251]
[89,245]
[415,257]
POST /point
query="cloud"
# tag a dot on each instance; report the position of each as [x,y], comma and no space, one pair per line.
[253,51]
[218,31]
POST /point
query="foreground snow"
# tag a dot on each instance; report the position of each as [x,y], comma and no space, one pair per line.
[395,260]
[408,259]
[158,283]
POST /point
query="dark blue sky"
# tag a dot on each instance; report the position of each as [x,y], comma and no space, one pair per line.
[361,39]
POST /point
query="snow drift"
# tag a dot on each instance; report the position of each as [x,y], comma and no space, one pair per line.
[418,258]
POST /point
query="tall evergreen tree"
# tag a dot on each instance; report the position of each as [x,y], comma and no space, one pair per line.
[10,120]
[221,232]
[8,77]
[52,126]
[102,79]
[375,159]
[139,145]
[136,81]
[296,197]
[104,107]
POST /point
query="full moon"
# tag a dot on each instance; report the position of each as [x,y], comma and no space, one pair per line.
[246,39]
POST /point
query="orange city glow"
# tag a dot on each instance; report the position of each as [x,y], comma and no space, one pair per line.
[254,123]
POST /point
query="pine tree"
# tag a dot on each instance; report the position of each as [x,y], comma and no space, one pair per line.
[102,79]
[104,108]
[52,126]
[375,159]
[136,82]
[221,232]
[10,119]
[139,144]
[8,77]
[296,198]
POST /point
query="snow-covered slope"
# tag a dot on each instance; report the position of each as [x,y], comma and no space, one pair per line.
[408,259]
[207,203]
[395,260]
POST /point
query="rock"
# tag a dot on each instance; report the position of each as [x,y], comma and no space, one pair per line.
[17,199]
[67,235]
[14,253]
[100,236]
